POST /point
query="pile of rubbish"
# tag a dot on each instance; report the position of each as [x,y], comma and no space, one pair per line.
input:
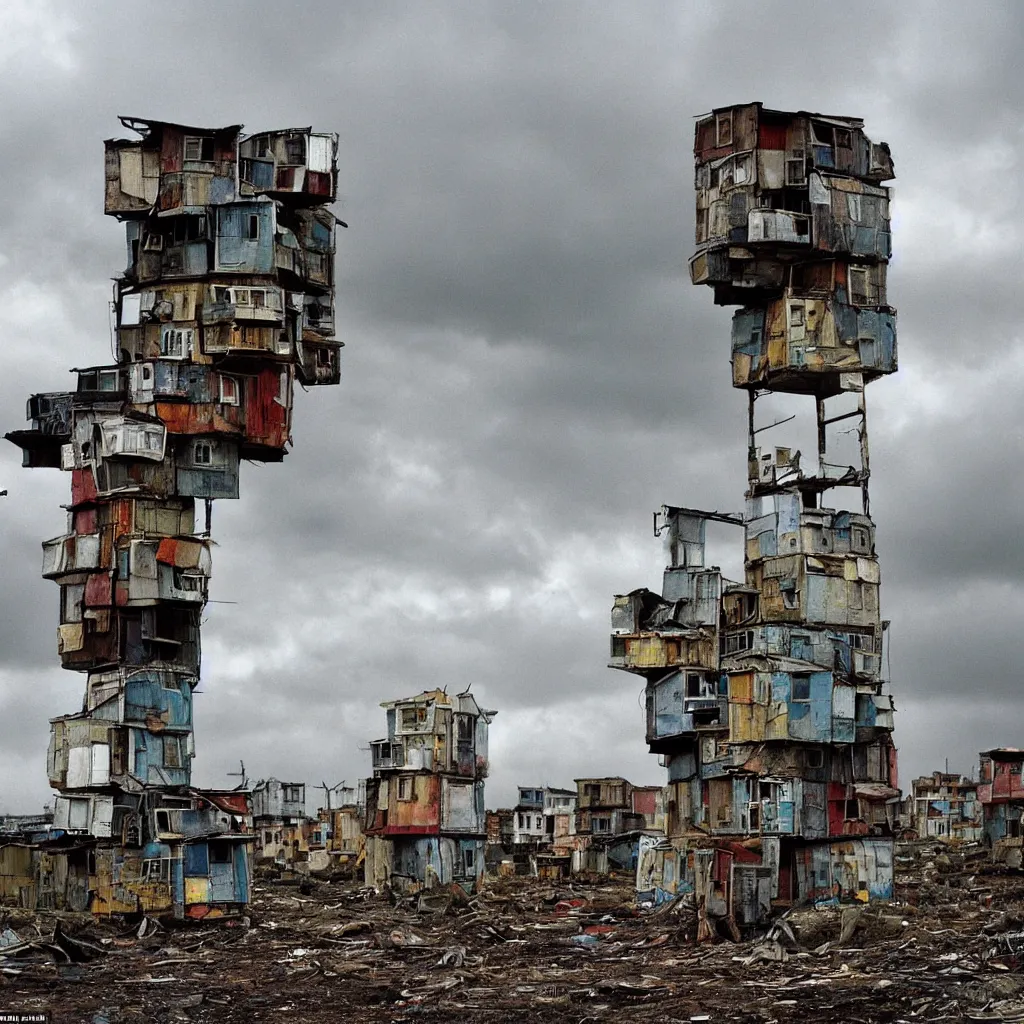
[949,948]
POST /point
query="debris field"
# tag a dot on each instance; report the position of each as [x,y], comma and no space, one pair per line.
[523,949]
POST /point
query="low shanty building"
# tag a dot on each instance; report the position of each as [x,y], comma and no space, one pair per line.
[1001,794]
[281,824]
[945,806]
[425,817]
[337,844]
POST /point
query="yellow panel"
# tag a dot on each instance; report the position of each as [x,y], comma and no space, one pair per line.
[850,569]
[197,890]
[777,352]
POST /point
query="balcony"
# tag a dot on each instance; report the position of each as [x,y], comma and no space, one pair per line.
[387,755]
[69,554]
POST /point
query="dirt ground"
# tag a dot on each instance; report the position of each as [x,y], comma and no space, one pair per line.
[523,950]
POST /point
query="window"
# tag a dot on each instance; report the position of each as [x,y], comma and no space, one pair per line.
[324,357]
[157,869]
[796,315]
[228,390]
[801,686]
[693,684]
[796,172]
[292,794]
[163,821]
[852,811]
[202,454]
[295,149]
[199,147]
[801,225]
[189,228]
[175,342]
[220,853]
[252,226]
[844,138]
[469,858]
[413,717]
[172,752]
[858,287]
[814,758]
[405,788]
[187,582]
[723,129]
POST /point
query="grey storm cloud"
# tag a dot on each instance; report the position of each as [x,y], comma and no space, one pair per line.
[527,371]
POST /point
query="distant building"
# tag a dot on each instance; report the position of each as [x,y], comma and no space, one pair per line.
[281,825]
[765,696]
[1001,794]
[945,806]
[425,819]
[225,303]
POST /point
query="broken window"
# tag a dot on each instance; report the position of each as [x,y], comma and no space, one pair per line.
[156,869]
[852,810]
[199,147]
[814,758]
[252,226]
[202,453]
[175,342]
[413,717]
[220,853]
[801,686]
[469,858]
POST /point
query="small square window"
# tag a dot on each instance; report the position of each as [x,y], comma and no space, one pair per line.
[199,147]
[202,453]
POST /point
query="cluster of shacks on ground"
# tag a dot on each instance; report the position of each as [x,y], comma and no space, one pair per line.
[766,697]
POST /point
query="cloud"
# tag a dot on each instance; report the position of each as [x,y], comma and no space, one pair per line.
[527,371]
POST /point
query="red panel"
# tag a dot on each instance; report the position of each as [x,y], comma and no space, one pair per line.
[99,590]
[166,551]
[771,136]
[83,486]
[85,521]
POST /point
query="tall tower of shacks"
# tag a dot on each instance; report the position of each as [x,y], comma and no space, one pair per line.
[227,300]
[765,698]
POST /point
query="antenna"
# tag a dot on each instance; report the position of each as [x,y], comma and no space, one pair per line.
[240,774]
[328,790]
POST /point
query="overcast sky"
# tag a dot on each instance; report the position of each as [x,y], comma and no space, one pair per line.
[528,372]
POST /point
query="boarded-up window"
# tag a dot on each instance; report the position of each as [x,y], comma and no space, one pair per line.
[741,688]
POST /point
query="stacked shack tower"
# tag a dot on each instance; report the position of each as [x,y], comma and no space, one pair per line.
[226,302]
[765,698]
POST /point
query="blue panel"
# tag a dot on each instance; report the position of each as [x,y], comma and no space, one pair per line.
[222,190]
[197,859]
[241,858]
[222,883]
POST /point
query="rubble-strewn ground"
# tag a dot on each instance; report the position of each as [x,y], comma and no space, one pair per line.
[528,951]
